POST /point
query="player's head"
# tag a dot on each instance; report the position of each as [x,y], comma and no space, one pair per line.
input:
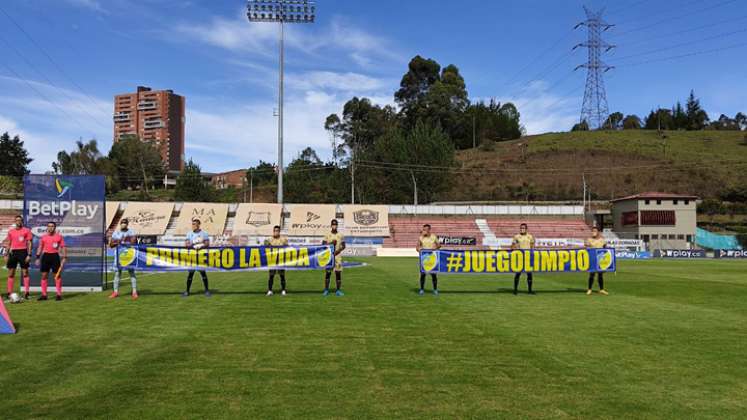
[333,224]
[51,227]
[196,224]
[595,231]
[276,232]
[426,229]
[124,223]
[19,221]
[523,228]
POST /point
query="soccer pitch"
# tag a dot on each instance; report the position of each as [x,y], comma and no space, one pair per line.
[669,342]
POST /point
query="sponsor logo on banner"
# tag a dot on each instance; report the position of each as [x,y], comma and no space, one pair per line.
[680,253]
[310,217]
[64,230]
[623,254]
[366,217]
[258,218]
[451,240]
[730,253]
[148,218]
[63,187]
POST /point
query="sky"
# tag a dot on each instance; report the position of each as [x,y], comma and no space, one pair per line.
[64,60]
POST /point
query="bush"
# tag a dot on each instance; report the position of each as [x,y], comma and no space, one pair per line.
[487,145]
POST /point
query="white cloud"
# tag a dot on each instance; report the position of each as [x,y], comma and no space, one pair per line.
[543,111]
[89,4]
[348,82]
[239,35]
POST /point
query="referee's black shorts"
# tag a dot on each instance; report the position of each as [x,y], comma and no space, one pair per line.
[50,262]
[17,257]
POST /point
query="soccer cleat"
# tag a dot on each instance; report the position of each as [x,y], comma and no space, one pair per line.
[208,294]
[435,292]
[531,292]
[339,293]
[588,292]
[421,292]
[42,297]
[114,295]
[516,292]
[603,292]
[135,296]
[269,293]
[325,292]
[185,294]
[283,293]
[58,298]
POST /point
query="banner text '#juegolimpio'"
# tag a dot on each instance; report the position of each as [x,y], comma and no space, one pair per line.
[517,261]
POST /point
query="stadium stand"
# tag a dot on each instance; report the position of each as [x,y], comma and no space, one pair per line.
[542,228]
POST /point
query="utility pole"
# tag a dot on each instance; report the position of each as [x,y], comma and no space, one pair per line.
[282,12]
[414,188]
[595,109]
[474,136]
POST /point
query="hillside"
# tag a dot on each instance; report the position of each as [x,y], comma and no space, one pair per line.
[616,163]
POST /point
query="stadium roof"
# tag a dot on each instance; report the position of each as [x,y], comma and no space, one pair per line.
[656,196]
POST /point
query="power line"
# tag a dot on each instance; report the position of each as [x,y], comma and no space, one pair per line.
[657,23]
[697,28]
[692,54]
[682,44]
[44,76]
[41,95]
[537,58]
[51,60]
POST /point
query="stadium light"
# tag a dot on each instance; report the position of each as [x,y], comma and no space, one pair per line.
[281,12]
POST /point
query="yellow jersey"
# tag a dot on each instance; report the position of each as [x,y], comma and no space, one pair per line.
[524,241]
[279,241]
[335,238]
[428,242]
[598,242]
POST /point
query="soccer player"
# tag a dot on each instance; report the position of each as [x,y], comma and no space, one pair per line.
[523,240]
[276,241]
[48,258]
[197,239]
[596,241]
[124,236]
[19,242]
[427,240]
[334,238]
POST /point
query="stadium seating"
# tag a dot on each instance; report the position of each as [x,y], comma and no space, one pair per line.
[406,230]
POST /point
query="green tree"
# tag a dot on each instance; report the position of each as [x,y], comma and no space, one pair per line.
[401,159]
[631,122]
[86,159]
[697,118]
[613,122]
[582,126]
[14,158]
[136,163]
[192,186]
[679,118]
[660,119]
[422,73]
[741,120]
[334,127]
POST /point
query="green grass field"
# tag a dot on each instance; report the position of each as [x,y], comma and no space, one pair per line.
[669,342]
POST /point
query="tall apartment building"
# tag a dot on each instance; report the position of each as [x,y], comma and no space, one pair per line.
[154,116]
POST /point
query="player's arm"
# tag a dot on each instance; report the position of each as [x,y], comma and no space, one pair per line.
[587,243]
[341,247]
[188,243]
[206,242]
[531,243]
[514,243]
[438,243]
[64,253]
[419,246]
[39,251]
[29,249]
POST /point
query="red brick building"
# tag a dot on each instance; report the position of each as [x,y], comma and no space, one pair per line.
[235,179]
[154,116]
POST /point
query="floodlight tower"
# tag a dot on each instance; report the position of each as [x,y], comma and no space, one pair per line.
[281,12]
[595,110]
